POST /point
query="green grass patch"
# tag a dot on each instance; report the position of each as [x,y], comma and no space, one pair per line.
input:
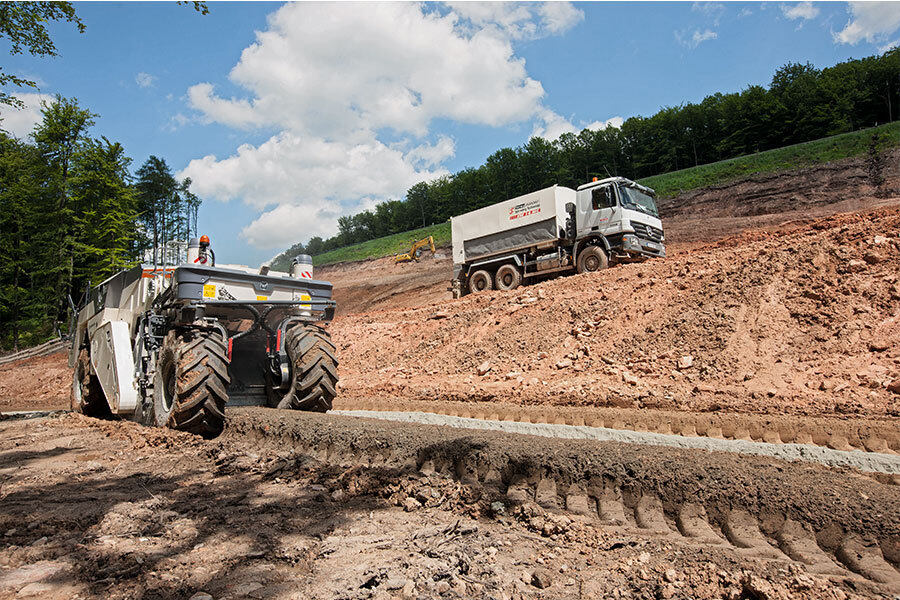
[781,159]
[668,184]
[385,246]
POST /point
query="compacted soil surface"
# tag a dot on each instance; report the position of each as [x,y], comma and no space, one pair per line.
[286,505]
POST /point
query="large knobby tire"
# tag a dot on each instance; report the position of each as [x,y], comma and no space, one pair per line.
[480,281]
[87,396]
[313,369]
[592,259]
[508,277]
[190,386]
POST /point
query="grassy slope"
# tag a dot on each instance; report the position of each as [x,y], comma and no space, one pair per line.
[667,184]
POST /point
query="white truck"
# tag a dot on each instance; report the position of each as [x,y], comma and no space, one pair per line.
[554,230]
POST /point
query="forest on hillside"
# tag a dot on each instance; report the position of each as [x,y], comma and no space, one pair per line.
[72,214]
[801,103]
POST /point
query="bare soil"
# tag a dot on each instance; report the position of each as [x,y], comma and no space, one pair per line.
[776,318]
[287,505]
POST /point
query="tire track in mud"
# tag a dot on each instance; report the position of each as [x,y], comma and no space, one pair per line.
[864,461]
[836,522]
[869,435]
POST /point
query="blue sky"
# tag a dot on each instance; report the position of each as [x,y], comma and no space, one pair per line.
[287,116]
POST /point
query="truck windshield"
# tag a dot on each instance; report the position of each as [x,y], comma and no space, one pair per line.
[638,200]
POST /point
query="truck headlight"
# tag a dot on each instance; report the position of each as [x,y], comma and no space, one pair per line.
[631,242]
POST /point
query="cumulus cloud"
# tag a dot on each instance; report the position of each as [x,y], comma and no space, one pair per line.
[144,80]
[398,67]
[20,122]
[802,10]
[870,21]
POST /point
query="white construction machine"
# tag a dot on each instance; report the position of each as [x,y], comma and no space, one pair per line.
[171,346]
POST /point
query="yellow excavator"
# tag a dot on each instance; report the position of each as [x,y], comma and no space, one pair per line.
[416,250]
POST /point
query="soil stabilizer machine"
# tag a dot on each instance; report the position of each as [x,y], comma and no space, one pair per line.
[172,346]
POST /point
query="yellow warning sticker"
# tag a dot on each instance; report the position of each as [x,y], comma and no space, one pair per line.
[209,290]
[307,298]
[262,298]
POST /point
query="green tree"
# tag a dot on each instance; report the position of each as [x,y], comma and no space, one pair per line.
[105,222]
[24,25]
[58,136]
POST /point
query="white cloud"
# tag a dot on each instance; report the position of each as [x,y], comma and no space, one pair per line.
[870,21]
[745,12]
[552,125]
[316,179]
[802,10]
[712,10]
[889,45]
[21,121]
[519,20]
[696,38]
[398,67]
[144,80]
[614,122]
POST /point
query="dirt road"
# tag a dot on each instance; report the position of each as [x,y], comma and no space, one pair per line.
[286,505]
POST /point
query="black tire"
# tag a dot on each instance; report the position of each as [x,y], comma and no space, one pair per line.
[592,259]
[87,396]
[313,369]
[508,277]
[190,386]
[480,281]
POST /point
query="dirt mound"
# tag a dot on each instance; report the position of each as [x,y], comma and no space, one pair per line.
[801,321]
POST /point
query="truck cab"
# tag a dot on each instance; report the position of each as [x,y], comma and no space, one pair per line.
[624,213]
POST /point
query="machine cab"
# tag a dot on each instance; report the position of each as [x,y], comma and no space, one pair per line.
[622,211]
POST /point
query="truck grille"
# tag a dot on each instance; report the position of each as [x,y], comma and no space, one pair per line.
[647,232]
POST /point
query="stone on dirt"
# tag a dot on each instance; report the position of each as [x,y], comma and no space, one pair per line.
[686,362]
[564,364]
[201,596]
[542,578]
[484,367]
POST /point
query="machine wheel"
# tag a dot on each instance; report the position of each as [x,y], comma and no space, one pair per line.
[191,382]
[508,277]
[591,259]
[87,396]
[480,281]
[314,369]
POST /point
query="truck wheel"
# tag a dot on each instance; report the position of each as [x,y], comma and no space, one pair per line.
[508,277]
[480,281]
[87,396]
[314,369]
[591,259]
[191,382]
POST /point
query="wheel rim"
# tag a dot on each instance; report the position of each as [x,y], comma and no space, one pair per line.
[168,398]
[592,263]
[479,284]
[507,279]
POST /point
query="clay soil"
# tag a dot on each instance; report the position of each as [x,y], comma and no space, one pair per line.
[94,509]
